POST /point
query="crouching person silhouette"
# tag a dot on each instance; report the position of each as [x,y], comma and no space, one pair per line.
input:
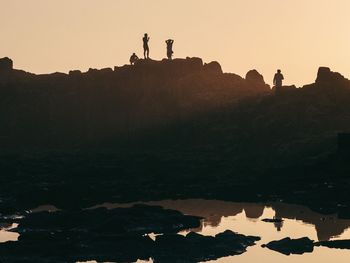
[133,59]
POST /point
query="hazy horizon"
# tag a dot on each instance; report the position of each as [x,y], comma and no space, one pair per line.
[294,35]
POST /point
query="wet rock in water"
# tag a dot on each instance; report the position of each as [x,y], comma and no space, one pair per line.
[97,234]
[70,247]
[83,246]
[289,246]
[272,220]
[195,247]
[139,219]
[340,244]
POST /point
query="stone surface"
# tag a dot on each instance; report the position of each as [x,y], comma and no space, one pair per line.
[6,64]
[289,246]
[118,235]
[339,244]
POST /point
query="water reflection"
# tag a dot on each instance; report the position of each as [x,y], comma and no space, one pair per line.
[245,218]
[6,234]
[326,227]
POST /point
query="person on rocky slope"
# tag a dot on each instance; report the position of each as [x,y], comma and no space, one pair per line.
[145,46]
[133,59]
[278,79]
[169,48]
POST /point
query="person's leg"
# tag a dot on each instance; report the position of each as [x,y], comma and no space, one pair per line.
[148,52]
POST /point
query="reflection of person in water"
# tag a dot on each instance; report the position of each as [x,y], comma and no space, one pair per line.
[169,48]
[133,59]
[278,226]
[145,46]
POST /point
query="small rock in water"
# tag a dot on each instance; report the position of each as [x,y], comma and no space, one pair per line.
[272,220]
[289,246]
[340,244]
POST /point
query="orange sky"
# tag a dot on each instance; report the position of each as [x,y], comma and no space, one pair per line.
[295,35]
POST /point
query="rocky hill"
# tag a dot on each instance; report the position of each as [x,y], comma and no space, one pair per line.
[77,108]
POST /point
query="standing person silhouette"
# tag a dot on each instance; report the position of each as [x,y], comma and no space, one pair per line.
[278,79]
[145,46]
[169,48]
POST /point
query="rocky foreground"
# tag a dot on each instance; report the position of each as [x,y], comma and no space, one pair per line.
[288,246]
[75,109]
[119,235]
[163,130]
[170,129]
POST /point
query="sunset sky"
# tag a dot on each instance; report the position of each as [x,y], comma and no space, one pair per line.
[298,36]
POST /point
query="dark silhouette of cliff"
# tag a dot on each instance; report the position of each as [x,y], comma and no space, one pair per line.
[183,103]
[99,105]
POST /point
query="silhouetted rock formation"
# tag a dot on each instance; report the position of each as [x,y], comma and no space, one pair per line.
[213,67]
[61,109]
[254,78]
[107,105]
[95,234]
[340,244]
[289,246]
[327,77]
[6,65]
[198,248]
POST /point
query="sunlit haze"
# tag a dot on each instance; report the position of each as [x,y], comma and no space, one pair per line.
[297,36]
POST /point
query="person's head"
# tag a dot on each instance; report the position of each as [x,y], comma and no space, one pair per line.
[146,35]
[133,54]
[278,71]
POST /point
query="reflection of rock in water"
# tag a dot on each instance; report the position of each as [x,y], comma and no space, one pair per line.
[5,225]
[326,226]
[211,210]
[254,211]
[118,235]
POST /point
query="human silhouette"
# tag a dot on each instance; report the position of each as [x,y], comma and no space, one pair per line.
[133,59]
[278,79]
[169,48]
[145,46]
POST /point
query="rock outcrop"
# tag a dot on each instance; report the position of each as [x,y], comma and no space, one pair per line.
[6,65]
[289,246]
[326,76]
[118,235]
[98,105]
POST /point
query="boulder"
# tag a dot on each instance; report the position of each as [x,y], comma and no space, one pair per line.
[6,64]
[196,248]
[255,77]
[289,246]
[326,76]
[340,244]
[256,81]
[75,73]
[213,67]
